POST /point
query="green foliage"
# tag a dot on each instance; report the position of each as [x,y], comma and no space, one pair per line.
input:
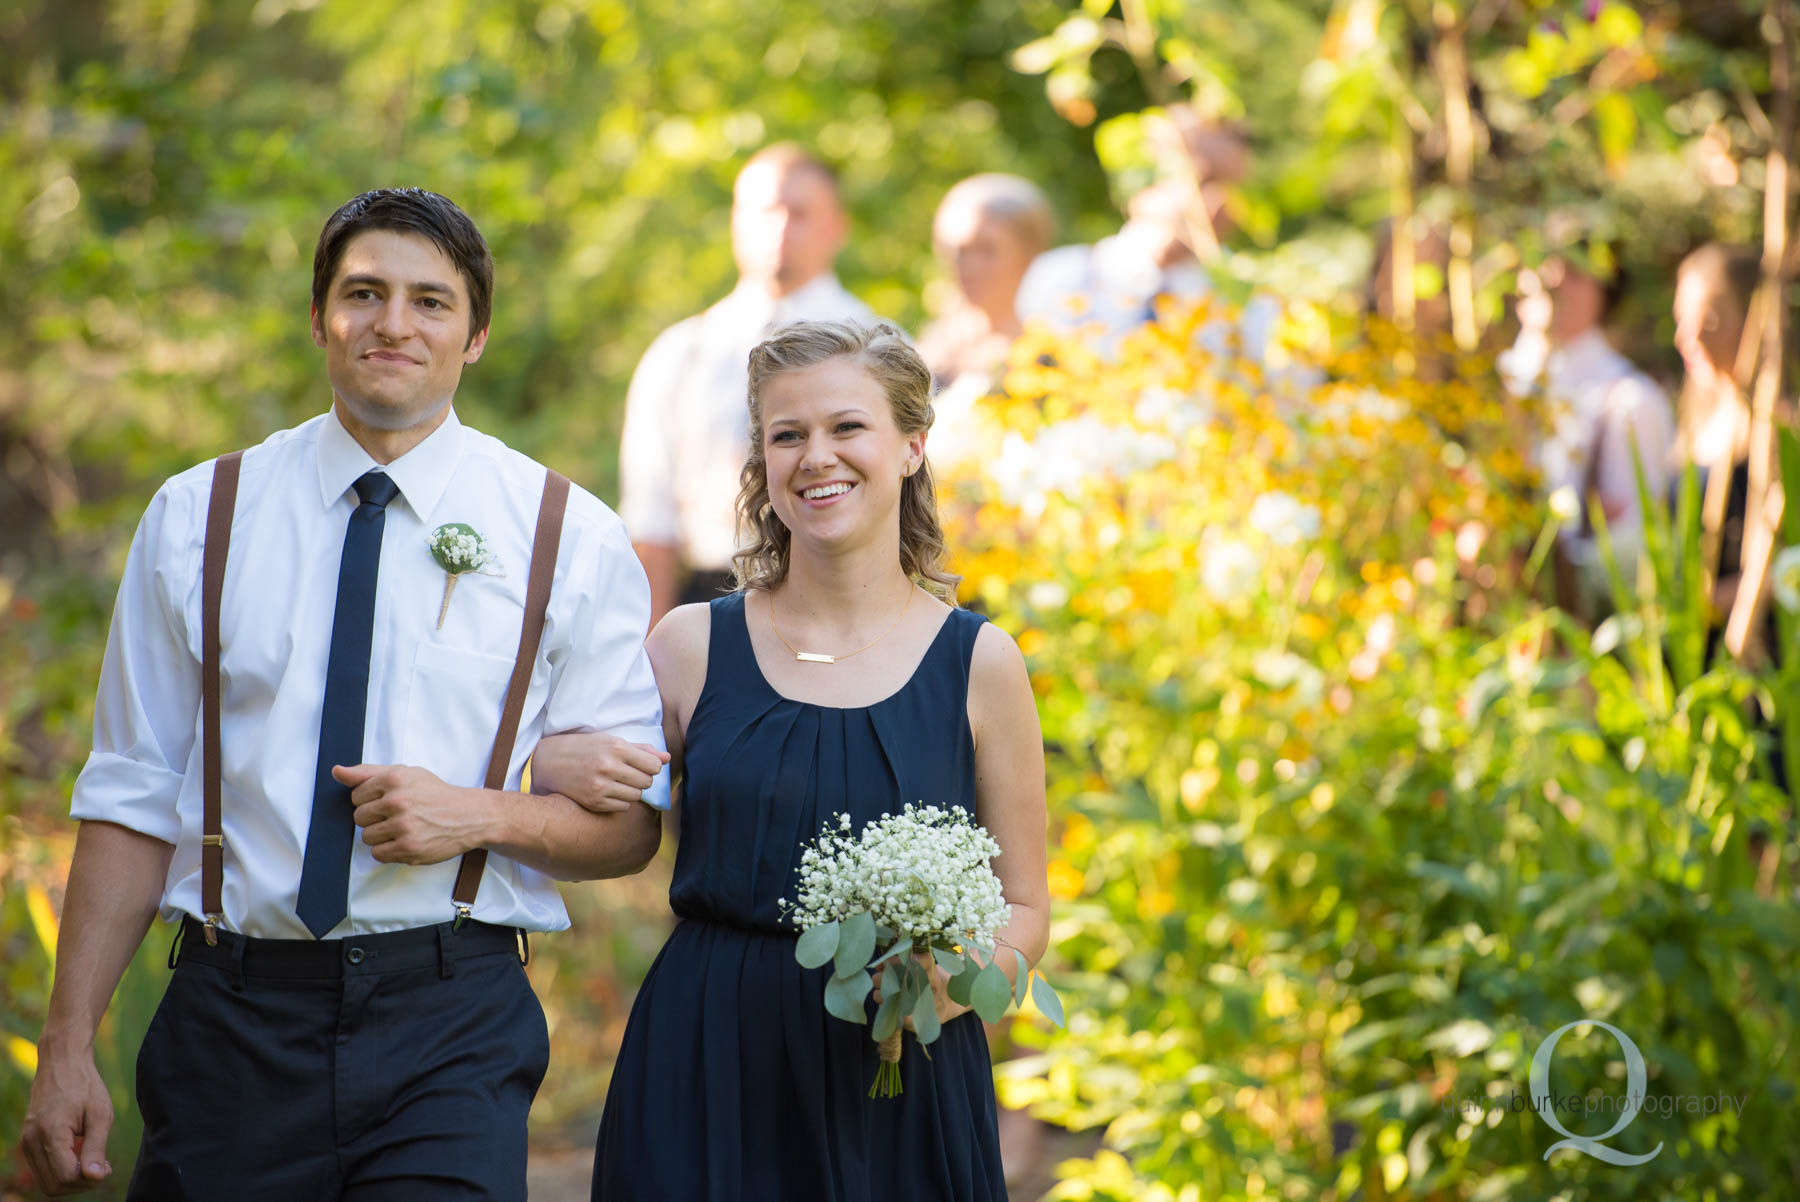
[1337,848]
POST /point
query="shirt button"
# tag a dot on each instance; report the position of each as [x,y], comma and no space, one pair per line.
[354,955]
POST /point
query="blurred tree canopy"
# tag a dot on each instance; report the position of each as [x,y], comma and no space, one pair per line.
[166,168]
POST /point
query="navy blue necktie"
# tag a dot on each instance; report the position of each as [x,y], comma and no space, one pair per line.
[325,875]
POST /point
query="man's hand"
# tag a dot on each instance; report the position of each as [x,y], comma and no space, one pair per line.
[599,772]
[410,816]
[66,1124]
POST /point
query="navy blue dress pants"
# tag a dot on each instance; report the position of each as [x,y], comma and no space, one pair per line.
[371,1069]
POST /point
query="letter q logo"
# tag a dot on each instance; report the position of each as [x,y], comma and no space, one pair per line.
[1634,1097]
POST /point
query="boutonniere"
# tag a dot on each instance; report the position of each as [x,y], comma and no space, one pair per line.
[460,549]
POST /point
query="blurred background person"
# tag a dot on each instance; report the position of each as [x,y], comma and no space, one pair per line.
[1713,289]
[1599,405]
[1172,230]
[686,413]
[988,230]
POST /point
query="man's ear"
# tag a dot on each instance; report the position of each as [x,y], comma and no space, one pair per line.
[476,345]
[318,327]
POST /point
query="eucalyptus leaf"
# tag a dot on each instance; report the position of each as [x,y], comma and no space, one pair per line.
[856,944]
[963,982]
[887,1017]
[844,996]
[925,1018]
[816,945]
[990,995]
[1046,999]
[1022,981]
[950,962]
[899,949]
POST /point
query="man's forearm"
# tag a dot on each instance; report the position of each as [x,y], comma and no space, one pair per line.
[557,837]
[115,886]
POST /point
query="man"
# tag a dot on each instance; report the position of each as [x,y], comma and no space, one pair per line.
[1175,216]
[687,425]
[1600,407]
[344,1019]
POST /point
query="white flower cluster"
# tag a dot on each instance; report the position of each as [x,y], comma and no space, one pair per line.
[459,549]
[1283,520]
[924,872]
[1067,455]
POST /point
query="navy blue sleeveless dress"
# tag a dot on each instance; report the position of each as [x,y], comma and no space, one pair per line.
[733,1083]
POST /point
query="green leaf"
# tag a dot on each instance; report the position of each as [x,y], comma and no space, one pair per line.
[991,994]
[816,945]
[1022,981]
[963,983]
[899,949]
[925,1018]
[1046,999]
[844,996]
[950,962]
[856,944]
[887,1017]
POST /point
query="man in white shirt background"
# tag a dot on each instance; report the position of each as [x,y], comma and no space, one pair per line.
[1601,406]
[687,425]
[332,1025]
[1175,215]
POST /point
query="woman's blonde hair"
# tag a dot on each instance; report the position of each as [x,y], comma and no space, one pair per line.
[883,352]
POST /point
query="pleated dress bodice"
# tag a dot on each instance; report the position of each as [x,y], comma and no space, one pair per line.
[764,773]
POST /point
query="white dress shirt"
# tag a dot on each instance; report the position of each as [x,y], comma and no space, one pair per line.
[434,695]
[687,417]
[1585,381]
[1112,286]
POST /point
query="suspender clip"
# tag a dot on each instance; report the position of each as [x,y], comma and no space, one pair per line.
[212,929]
[463,914]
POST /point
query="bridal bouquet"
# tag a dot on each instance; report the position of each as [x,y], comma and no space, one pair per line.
[910,886]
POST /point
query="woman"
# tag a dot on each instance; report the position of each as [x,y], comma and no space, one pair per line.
[987,231]
[838,679]
[1713,287]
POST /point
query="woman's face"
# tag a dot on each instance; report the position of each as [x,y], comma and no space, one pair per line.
[834,458]
[1696,323]
[985,253]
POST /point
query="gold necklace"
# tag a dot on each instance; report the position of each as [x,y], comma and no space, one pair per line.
[819,657]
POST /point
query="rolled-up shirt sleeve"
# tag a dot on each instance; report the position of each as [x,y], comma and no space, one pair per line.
[148,705]
[647,443]
[601,676]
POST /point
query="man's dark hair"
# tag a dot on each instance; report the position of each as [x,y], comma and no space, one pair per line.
[410,211]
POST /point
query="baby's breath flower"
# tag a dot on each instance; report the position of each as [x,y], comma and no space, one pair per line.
[925,872]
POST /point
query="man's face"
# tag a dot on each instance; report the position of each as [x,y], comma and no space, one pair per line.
[787,226]
[986,253]
[1578,300]
[395,330]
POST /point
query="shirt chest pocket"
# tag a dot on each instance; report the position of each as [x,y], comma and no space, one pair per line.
[453,712]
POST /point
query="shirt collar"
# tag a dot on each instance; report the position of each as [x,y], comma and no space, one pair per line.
[421,474]
[818,299]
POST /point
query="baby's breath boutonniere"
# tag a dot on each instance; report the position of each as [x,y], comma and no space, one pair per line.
[459,549]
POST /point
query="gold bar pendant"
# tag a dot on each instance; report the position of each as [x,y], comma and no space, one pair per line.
[813,657]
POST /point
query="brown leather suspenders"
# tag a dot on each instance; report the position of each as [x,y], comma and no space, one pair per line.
[218,544]
[537,600]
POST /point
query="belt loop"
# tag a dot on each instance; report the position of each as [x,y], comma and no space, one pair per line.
[524,945]
[446,966]
[237,963]
[175,944]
